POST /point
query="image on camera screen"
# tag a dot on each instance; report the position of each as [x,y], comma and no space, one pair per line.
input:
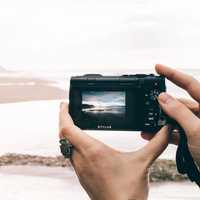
[105,104]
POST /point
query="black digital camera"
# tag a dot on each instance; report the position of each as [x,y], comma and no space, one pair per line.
[127,102]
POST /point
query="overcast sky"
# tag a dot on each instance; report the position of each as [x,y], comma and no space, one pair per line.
[111,34]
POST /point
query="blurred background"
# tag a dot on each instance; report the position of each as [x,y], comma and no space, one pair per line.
[43,43]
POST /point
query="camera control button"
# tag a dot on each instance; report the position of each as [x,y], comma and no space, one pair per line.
[151,114]
[154,95]
[147,124]
[147,103]
[151,118]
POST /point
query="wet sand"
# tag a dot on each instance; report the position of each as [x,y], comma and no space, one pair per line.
[174,191]
[61,183]
[19,89]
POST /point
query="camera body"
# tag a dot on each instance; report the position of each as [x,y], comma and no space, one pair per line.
[127,102]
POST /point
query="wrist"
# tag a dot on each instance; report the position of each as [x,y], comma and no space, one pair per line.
[118,197]
[194,150]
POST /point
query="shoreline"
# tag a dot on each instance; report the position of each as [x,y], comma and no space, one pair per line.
[161,170]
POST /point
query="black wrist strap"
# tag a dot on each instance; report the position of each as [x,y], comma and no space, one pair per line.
[184,161]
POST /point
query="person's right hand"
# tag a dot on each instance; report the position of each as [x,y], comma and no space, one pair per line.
[186,113]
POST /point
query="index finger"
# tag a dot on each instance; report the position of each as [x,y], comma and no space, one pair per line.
[187,82]
[192,105]
[80,140]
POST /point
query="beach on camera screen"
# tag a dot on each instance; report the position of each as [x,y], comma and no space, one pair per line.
[104,102]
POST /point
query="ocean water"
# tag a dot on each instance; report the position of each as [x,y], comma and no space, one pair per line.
[32,128]
[106,109]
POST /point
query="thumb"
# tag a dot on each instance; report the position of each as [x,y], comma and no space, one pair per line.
[178,111]
[64,118]
[80,140]
[156,145]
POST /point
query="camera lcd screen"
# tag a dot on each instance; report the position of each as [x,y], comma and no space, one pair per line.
[105,104]
[108,109]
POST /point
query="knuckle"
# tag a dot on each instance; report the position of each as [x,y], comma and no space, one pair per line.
[190,84]
[176,106]
[172,74]
[65,131]
[179,106]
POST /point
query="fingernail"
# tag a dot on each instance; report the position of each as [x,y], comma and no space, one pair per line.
[165,98]
[61,104]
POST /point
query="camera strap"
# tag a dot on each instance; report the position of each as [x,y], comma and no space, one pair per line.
[184,161]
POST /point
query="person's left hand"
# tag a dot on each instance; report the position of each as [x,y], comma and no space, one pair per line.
[106,173]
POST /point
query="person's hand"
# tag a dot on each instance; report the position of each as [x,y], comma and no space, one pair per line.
[106,173]
[185,112]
